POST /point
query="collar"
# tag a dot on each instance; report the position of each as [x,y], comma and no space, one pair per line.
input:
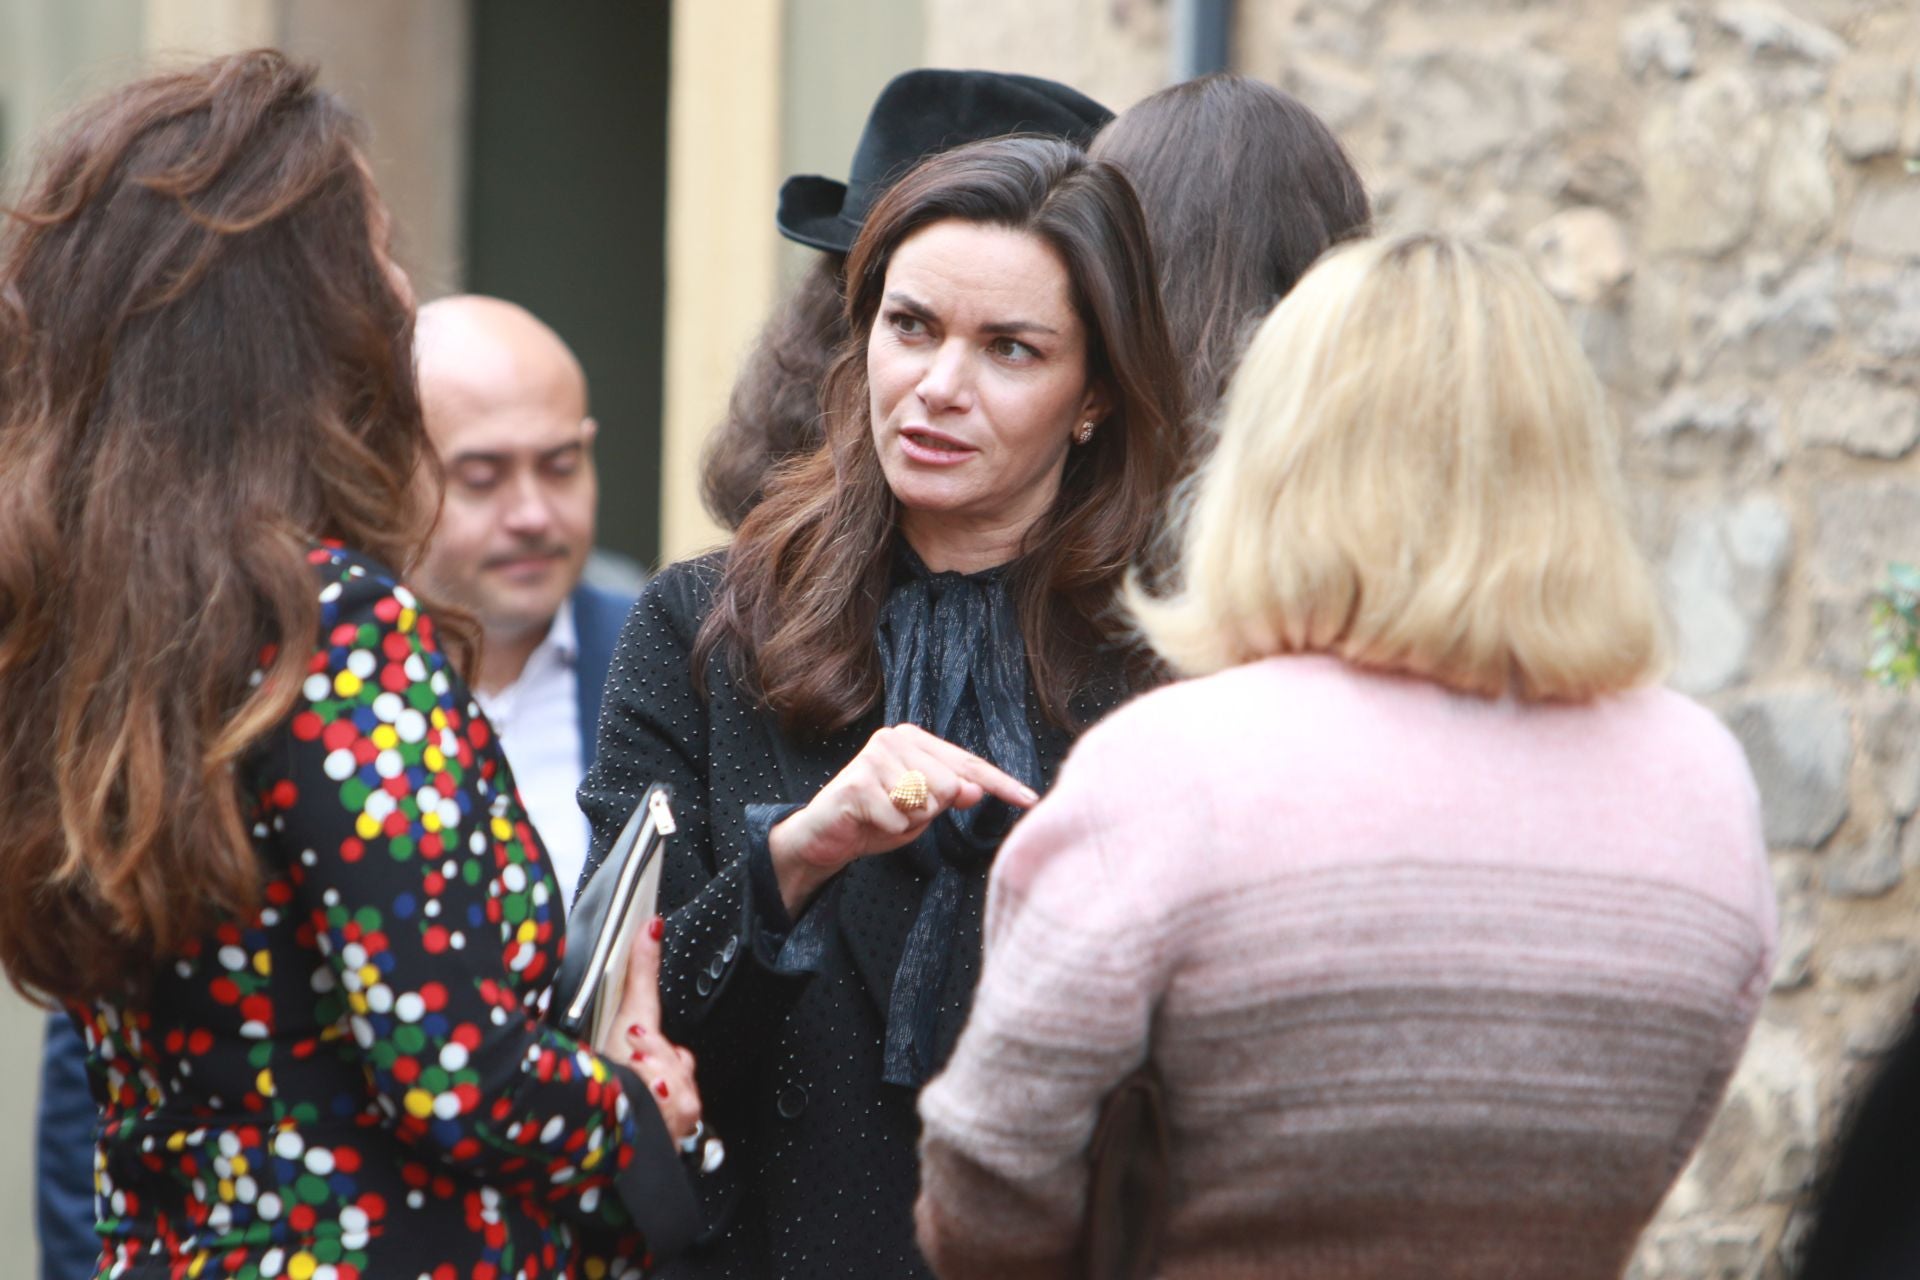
[563,638]
[908,566]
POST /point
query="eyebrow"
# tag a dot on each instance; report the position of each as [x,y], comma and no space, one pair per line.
[498,458]
[910,303]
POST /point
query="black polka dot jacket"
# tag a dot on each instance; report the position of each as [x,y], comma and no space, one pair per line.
[821,1172]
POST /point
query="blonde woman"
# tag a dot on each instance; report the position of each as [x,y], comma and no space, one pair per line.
[1441,922]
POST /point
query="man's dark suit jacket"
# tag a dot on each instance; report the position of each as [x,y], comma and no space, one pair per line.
[63,1156]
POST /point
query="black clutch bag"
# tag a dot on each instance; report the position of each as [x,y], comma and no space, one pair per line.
[1129,1184]
[617,899]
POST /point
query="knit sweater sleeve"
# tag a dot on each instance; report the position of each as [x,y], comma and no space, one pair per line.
[1076,956]
[1742,1013]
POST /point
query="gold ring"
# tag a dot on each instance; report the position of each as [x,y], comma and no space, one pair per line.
[909,795]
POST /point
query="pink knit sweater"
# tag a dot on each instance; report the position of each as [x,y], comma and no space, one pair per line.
[1439,987]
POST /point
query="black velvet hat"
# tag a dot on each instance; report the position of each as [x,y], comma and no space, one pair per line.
[918,114]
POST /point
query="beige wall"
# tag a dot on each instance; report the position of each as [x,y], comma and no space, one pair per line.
[19,1062]
[723,157]
[761,91]
[838,55]
[1113,50]
[403,69]
[51,56]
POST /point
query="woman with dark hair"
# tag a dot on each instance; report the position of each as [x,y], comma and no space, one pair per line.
[773,413]
[1243,187]
[854,701]
[260,843]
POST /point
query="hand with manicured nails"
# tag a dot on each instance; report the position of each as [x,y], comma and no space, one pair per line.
[665,1066]
[854,816]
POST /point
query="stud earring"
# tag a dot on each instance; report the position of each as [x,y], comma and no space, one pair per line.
[1084,433]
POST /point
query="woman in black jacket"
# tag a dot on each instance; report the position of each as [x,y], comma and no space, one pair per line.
[854,701]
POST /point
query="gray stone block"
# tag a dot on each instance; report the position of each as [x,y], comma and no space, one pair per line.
[1871,98]
[1799,745]
[1884,312]
[1695,432]
[1701,1251]
[1780,1080]
[1797,197]
[1842,634]
[1454,106]
[1658,36]
[1861,527]
[1702,157]
[1799,908]
[1891,738]
[1867,869]
[1581,254]
[1767,28]
[1865,418]
[1886,218]
[1877,963]
[1775,323]
[1721,580]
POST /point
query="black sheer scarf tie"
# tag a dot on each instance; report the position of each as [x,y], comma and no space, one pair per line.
[955,664]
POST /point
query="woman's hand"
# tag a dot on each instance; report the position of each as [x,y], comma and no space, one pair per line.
[853,815]
[665,1066]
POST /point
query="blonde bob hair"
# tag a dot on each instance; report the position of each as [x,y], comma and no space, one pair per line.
[1415,473]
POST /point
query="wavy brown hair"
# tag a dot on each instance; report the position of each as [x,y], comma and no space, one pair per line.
[773,413]
[1243,188]
[808,570]
[204,366]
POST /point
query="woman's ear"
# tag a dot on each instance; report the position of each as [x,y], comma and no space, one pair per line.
[1095,405]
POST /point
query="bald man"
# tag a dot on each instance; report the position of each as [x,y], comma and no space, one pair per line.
[506,405]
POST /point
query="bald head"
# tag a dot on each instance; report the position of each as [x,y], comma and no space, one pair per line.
[506,405]
[469,349]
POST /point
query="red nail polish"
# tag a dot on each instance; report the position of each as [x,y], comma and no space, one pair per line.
[638,1057]
[657,929]
[636,1030]
[661,1088]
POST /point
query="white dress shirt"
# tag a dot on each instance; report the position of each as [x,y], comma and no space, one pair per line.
[538,720]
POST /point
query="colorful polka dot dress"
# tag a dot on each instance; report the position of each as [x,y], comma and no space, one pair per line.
[353,1083]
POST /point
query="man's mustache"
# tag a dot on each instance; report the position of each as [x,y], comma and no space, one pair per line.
[542,551]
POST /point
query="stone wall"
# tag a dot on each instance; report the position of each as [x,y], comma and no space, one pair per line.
[1720,195]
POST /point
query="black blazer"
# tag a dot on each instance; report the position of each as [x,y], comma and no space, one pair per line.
[822,1167]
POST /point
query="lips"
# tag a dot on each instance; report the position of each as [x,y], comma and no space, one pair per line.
[934,448]
[526,562]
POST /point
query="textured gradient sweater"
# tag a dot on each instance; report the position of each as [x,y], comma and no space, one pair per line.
[1438,986]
